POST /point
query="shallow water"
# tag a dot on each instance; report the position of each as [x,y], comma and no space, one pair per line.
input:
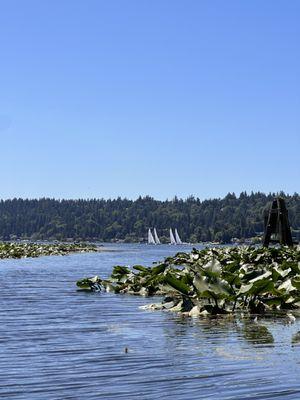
[57,343]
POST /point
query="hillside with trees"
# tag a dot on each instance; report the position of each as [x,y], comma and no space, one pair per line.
[122,219]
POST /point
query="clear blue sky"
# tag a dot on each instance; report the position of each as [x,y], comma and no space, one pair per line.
[111,98]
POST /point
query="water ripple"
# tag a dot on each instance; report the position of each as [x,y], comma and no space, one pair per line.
[56,343]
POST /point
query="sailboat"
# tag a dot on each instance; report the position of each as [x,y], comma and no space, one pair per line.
[150,237]
[172,238]
[156,238]
[177,238]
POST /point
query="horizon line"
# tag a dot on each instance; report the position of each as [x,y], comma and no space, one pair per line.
[143,197]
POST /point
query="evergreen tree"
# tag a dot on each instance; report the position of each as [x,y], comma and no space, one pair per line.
[123,219]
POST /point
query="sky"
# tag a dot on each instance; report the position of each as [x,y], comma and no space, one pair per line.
[100,99]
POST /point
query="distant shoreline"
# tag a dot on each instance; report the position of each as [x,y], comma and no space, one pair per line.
[18,250]
[225,220]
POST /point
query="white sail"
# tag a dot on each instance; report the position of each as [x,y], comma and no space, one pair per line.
[177,238]
[172,239]
[150,237]
[157,241]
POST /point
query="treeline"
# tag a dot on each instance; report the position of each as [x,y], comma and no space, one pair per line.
[122,219]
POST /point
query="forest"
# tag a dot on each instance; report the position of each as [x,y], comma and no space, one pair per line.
[223,220]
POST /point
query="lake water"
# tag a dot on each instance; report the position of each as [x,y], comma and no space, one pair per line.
[57,343]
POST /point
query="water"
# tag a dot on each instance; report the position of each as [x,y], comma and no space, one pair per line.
[57,343]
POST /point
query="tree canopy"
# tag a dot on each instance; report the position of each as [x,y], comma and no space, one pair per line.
[122,219]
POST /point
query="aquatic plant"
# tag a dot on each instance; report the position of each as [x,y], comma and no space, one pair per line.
[214,280]
[27,249]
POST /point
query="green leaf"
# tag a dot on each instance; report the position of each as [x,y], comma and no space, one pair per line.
[141,268]
[262,286]
[119,270]
[231,278]
[158,269]
[177,284]
[245,289]
[220,286]
[262,276]
[287,286]
[296,282]
[273,301]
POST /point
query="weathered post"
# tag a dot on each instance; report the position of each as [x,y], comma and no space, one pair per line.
[277,224]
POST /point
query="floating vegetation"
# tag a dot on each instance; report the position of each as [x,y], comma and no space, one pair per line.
[213,281]
[24,250]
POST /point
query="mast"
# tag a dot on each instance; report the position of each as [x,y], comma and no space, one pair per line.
[150,237]
[177,238]
[172,239]
[157,241]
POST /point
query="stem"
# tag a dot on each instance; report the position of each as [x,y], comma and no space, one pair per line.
[216,301]
[234,304]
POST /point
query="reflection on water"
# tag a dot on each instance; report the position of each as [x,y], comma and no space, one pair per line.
[57,343]
[296,339]
[257,334]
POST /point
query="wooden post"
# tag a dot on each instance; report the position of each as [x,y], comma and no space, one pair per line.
[277,224]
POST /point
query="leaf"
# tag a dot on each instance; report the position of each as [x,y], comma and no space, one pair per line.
[287,286]
[213,266]
[221,287]
[108,286]
[296,282]
[95,279]
[262,276]
[244,289]
[119,270]
[141,268]
[177,284]
[91,284]
[279,272]
[233,266]
[231,278]
[84,286]
[252,274]
[273,301]
[158,269]
[262,286]
[200,283]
